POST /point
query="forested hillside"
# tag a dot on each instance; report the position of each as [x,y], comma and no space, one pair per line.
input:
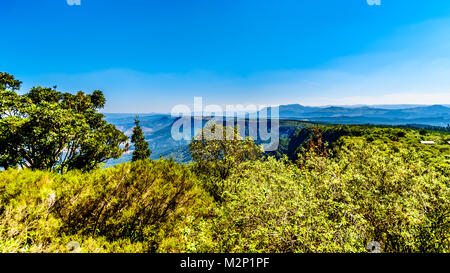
[157,132]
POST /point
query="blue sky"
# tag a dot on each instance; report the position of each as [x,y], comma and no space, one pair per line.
[148,56]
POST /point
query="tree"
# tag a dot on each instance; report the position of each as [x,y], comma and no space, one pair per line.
[8,82]
[10,103]
[141,150]
[316,145]
[47,129]
[216,151]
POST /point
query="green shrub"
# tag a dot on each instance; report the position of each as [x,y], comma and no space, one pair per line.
[133,206]
[364,193]
[26,198]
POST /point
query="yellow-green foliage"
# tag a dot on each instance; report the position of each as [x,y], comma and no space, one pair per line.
[26,224]
[216,151]
[376,184]
[133,207]
[366,192]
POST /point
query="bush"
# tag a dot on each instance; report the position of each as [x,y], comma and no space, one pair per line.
[216,151]
[364,193]
[131,206]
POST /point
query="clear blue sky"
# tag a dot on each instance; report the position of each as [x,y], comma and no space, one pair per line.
[148,55]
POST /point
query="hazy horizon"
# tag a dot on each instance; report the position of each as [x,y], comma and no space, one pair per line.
[378,106]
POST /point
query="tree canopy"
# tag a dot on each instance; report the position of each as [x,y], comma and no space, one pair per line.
[46,129]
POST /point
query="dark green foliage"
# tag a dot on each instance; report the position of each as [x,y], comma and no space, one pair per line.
[330,135]
[141,150]
[282,149]
[47,129]
[8,82]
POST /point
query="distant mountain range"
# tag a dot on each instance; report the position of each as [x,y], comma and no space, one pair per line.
[157,127]
[434,115]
